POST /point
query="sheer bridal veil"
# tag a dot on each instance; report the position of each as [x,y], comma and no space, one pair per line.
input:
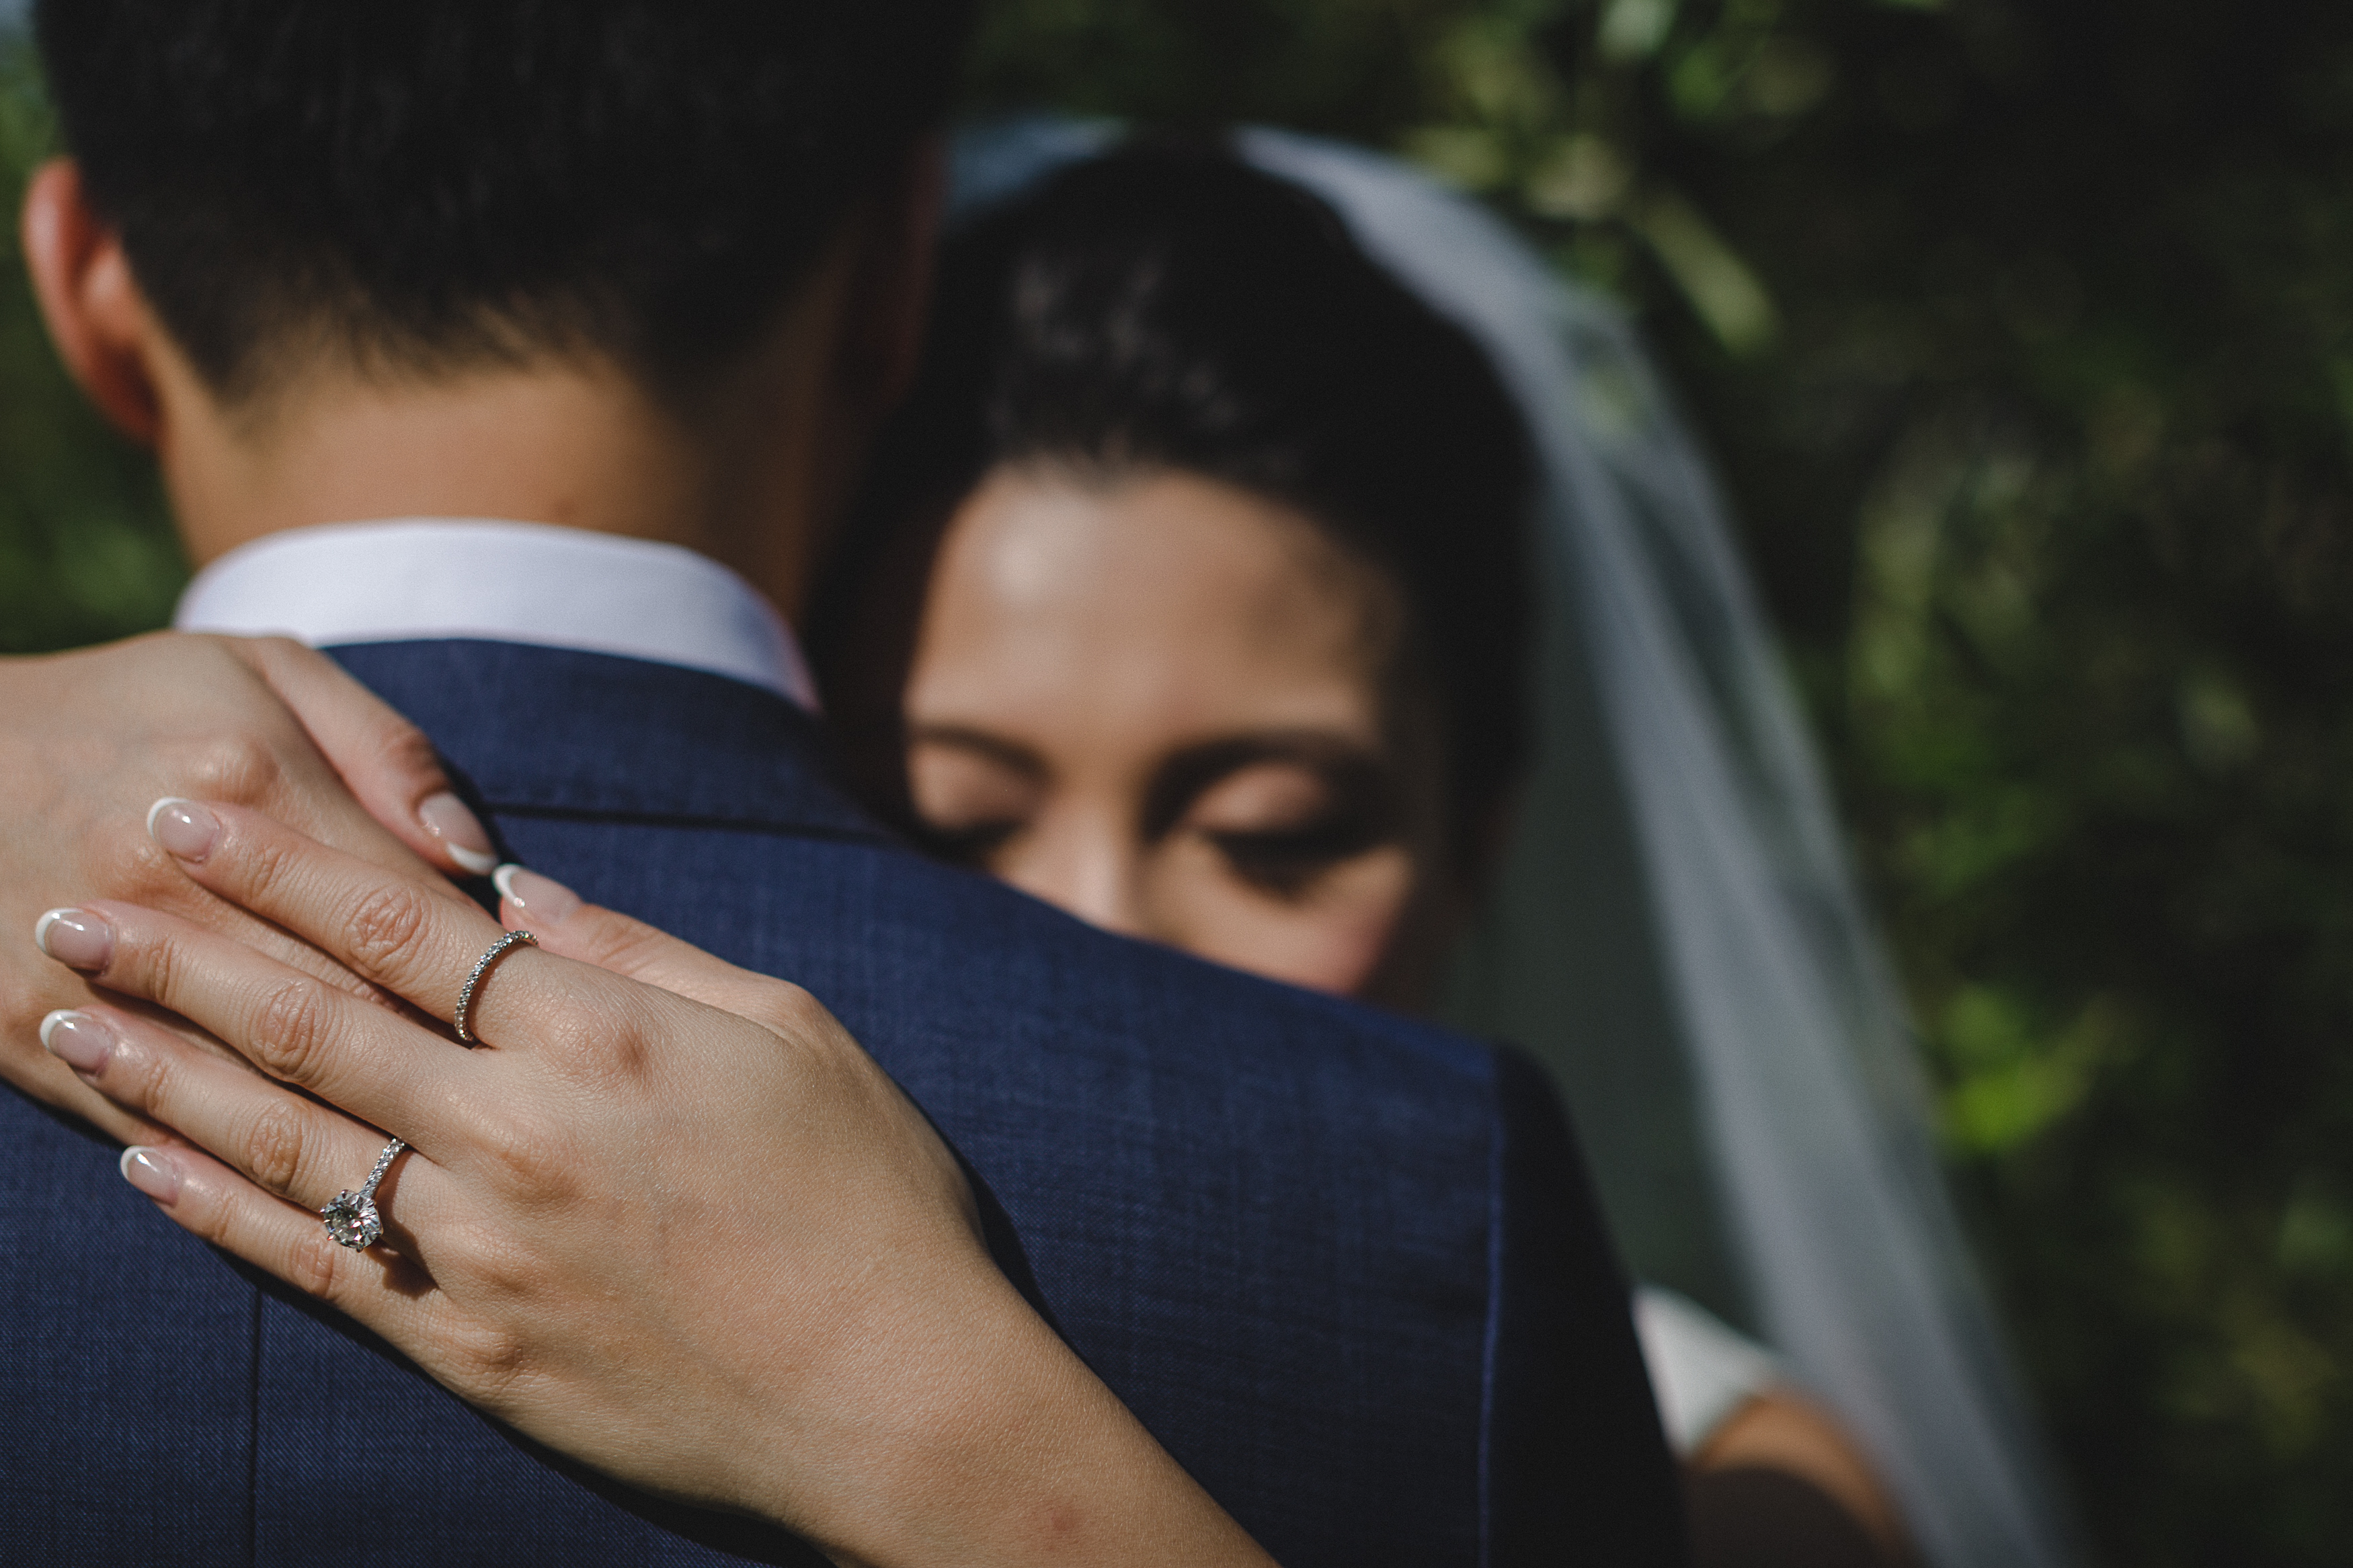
[1676,932]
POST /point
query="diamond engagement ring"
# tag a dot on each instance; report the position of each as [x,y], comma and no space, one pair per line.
[352,1218]
[481,967]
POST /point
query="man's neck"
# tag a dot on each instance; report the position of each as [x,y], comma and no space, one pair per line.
[578,444]
[537,447]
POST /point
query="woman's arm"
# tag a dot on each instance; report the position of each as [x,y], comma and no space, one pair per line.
[685,1230]
[1782,1435]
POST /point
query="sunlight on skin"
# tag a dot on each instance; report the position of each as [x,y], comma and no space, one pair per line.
[1161,704]
[1780,1431]
[1164,704]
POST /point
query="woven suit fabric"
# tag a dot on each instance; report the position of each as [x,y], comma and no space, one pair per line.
[1342,1264]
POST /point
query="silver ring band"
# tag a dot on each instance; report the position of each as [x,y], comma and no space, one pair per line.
[481,967]
[352,1219]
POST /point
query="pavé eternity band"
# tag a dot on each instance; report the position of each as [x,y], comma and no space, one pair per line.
[352,1219]
[482,967]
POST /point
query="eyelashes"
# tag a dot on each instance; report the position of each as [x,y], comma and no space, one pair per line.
[1326,803]
[969,844]
[1284,862]
[1287,861]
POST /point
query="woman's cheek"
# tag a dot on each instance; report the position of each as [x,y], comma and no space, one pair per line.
[1332,938]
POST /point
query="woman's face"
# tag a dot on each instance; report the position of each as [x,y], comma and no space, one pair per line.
[1163,704]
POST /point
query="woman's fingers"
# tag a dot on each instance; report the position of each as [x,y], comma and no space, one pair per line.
[88,740]
[360,1056]
[591,934]
[287,1144]
[386,760]
[412,936]
[383,1289]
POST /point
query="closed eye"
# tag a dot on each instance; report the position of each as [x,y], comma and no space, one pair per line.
[1286,861]
[972,792]
[1282,807]
[966,843]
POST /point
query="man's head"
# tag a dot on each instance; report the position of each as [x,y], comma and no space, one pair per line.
[436,182]
[440,189]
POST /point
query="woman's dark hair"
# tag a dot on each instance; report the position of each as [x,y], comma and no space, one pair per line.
[1168,307]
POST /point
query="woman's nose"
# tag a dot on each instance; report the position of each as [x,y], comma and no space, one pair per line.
[1088,870]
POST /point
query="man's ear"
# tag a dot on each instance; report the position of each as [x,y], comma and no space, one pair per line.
[96,314]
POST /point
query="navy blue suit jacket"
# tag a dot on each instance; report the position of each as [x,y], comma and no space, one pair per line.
[1343,1266]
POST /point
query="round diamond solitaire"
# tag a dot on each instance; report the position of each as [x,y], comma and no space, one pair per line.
[352,1220]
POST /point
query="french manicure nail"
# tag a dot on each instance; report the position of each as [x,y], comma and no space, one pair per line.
[184,829]
[152,1172]
[460,831]
[81,1042]
[75,938]
[546,901]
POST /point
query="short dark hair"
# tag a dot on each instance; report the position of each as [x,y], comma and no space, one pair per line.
[441,182]
[1169,306]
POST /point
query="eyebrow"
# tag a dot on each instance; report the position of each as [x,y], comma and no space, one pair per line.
[1009,754]
[1358,774]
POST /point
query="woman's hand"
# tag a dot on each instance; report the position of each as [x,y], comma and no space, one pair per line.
[686,1231]
[87,739]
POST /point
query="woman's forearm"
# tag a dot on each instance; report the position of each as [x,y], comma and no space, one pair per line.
[983,1440]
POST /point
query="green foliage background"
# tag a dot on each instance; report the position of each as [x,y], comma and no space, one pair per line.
[85,550]
[2024,335]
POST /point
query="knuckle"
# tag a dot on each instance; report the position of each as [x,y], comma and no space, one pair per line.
[629,1042]
[624,1056]
[470,1254]
[148,958]
[291,1027]
[274,1146]
[566,1030]
[403,746]
[496,1265]
[787,1008]
[384,923]
[238,766]
[486,1358]
[531,1158]
[215,1222]
[262,865]
[594,1037]
[149,1082]
[275,650]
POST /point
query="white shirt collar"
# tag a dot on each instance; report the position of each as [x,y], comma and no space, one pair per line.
[412,579]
